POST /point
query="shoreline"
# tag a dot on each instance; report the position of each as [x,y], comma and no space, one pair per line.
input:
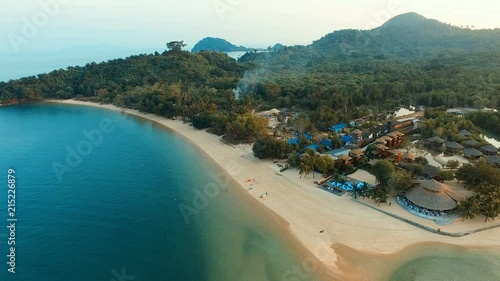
[304,210]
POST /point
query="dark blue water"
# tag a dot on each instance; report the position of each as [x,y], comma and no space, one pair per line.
[106,207]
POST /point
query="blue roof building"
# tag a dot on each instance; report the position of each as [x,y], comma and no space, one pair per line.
[338,128]
[339,152]
[346,139]
[312,146]
[294,141]
[326,143]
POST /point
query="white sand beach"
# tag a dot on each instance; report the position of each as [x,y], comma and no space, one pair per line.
[348,225]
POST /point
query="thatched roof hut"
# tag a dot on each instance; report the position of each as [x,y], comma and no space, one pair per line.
[489,150]
[432,195]
[472,153]
[431,171]
[465,133]
[453,145]
[471,143]
[493,160]
[436,140]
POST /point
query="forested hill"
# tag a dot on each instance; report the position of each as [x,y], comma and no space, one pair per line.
[409,36]
[217,45]
[408,60]
[107,80]
[347,74]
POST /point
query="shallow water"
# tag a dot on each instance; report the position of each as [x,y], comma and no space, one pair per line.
[451,264]
[492,138]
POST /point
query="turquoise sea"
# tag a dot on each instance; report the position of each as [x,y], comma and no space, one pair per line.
[105,196]
[99,197]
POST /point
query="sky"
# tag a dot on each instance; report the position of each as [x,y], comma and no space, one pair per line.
[38,36]
[39,25]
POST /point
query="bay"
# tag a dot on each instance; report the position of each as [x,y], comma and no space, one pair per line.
[115,210]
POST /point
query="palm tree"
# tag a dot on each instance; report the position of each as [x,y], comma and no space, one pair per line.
[469,208]
[489,205]
[356,192]
[304,168]
[313,160]
[364,189]
[380,194]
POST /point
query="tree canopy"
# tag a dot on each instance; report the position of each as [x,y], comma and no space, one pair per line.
[383,171]
[176,46]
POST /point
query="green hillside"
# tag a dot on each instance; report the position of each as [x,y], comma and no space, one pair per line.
[343,75]
[217,45]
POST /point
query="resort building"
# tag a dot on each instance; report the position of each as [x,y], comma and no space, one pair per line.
[471,143]
[391,140]
[395,155]
[489,150]
[347,139]
[431,197]
[368,135]
[431,172]
[453,147]
[384,140]
[397,138]
[356,154]
[381,151]
[359,122]
[465,133]
[314,147]
[327,143]
[403,124]
[355,143]
[379,131]
[338,128]
[493,160]
[435,143]
[345,160]
[472,154]
[337,153]
[357,134]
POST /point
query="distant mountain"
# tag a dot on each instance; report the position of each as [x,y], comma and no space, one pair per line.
[277,47]
[408,36]
[218,45]
[408,19]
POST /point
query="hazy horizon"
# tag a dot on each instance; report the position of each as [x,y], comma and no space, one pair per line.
[42,35]
[48,25]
